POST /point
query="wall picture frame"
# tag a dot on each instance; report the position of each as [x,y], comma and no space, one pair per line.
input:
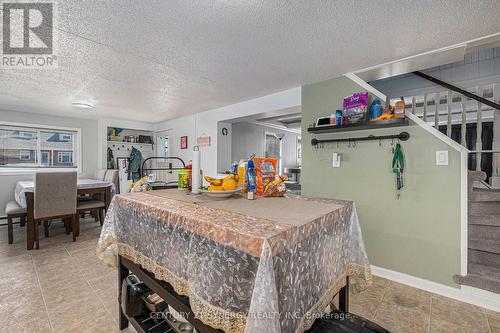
[184,142]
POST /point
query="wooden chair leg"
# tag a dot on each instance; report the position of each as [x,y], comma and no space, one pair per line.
[37,235]
[46,228]
[101,218]
[22,221]
[76,226]
[10,229]
[95,214]
[67,226]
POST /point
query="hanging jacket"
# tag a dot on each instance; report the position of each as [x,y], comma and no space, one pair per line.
[134,165]
[111,159]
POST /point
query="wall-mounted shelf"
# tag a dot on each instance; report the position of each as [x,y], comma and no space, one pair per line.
[129,143]
[359,126]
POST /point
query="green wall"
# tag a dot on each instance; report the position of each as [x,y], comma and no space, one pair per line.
[419,234]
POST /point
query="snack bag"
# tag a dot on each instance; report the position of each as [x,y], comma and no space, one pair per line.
[355,106]
[265,168]
[276,188]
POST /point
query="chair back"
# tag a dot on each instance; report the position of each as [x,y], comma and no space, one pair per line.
[109,175]
[55,194]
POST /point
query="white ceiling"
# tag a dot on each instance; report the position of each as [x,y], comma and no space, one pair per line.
[156,60]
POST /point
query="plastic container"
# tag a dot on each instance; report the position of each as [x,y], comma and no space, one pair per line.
[375,109]
[184,178]
[242,171]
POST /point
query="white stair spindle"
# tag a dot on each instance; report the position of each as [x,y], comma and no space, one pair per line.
[437,97]
[479,132]
[425,108]
[448,121]
[413,105]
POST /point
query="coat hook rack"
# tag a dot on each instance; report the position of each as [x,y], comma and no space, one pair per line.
[403,136]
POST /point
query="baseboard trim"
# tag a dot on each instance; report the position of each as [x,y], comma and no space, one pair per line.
[465,294]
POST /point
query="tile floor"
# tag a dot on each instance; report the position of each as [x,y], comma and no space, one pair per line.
[63,288]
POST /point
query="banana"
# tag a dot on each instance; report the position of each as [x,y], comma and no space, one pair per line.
[214,181]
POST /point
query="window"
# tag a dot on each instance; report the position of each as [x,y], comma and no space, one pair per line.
[65,137]
[65,157]
[30,146]
[25,155]
[45,158]
[27,135]
[273,148]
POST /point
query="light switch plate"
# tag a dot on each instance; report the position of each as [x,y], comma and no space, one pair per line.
[442,157]
[336,160]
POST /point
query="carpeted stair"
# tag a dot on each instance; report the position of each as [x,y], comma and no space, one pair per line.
[483,269]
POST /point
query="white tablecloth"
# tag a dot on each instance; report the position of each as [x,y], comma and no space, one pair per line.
[28,185]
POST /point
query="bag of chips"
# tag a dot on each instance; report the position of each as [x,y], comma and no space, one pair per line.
[265,168]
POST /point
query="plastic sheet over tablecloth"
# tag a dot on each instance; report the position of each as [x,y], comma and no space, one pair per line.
[269,265]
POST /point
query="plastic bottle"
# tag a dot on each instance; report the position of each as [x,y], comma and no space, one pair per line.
[251,180]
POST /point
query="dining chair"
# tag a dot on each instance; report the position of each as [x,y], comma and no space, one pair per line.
[108,175]
[14,210]
[54,197]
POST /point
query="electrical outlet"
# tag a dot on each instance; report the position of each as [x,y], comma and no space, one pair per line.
[442,157]
[336,160]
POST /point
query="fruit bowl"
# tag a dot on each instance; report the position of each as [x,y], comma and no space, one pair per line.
[221,194]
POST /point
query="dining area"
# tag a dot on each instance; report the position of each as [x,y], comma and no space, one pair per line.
[58,199]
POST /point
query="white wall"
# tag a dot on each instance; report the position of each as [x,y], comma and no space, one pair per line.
[249,139]
[206,123]
[89,146]
[224,144]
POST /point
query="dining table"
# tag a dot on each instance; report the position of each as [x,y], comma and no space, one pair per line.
[24,196]
[265,265]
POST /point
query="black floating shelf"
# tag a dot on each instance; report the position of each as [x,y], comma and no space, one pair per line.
[359,126]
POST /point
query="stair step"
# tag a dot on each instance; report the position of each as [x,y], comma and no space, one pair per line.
[492,220]
[482,277]
[484,258]
[482,208]
[477,231]
[485,195]
[487,245]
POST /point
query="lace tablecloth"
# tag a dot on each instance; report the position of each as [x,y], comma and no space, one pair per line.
[268,265]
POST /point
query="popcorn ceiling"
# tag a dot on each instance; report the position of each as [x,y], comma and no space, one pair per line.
[156,60]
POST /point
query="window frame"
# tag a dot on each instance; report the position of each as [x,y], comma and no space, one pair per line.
[41,157]
[28,170]
[63,153]
[63,135]
[21,155]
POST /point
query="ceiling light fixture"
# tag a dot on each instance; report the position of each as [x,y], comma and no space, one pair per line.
[83,105]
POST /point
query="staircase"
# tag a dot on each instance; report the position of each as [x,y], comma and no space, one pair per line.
[483,268]
[456,107]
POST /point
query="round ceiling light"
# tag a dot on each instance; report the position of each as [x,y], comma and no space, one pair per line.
[83,105]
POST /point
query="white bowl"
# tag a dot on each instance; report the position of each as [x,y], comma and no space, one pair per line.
[221,194]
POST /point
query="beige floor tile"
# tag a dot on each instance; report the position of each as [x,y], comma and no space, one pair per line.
[14,310]
[446,313]
[56,295]
[365,303]
[63,275]
[77,309]
[404,309]
[99,324]
[33,324]
[105,282]
[494,321]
